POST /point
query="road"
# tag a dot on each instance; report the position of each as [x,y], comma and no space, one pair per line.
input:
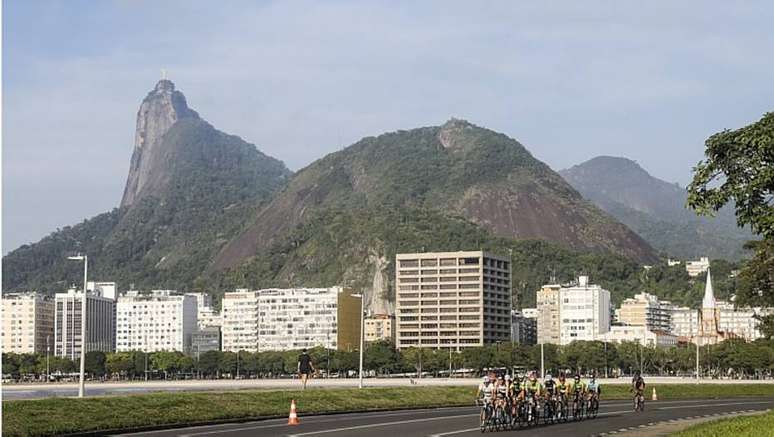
[614,416]
[36,391]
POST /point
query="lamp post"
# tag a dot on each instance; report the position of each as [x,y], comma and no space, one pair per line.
[82,380]
[48,352]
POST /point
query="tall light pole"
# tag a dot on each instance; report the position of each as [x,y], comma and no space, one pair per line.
[48,352]
[698,342]
[82,381]
[542,362]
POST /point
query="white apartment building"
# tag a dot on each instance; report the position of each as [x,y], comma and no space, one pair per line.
[640,334]
[685,322]
[646,310]
[695,268]
[297,318]
[239,330]
[104,289]
[740,322]
[452,299]
[28,323]
[157,321]
[100,324]
[379,327]
[585,312]
[548,320]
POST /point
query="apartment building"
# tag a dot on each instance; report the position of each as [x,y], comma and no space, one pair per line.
[585,312]
[646,310]
[379,327]
[548,320]
[161,320]
[298,318]
[105,289]
[100,324]
[695,268]
[206,315]
[452,300]
[239,329]
[684,322]
[205,340]
[524,330]
[741,322]
[640,334]
[28,323]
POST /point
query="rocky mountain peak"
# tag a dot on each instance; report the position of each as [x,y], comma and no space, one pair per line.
[451,135]
[160,109]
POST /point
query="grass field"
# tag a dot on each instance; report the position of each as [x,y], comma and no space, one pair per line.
[748,426]
[47,417]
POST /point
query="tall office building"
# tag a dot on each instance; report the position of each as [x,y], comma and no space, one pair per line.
[100,324]
[548,320]
[452,299]
[239,329]
[206,315]
[297,318]
[28,323]
[646,310]
[157,321]
[585,312]
[523,329]
[104,289]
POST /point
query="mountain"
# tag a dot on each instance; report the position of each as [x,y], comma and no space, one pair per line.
[450,187]
[189,190]
[656,209]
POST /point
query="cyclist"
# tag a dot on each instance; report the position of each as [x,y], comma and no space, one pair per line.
[501,392]
[510,394]
[549,393]
[563,391]
[638,387]
[484,395]
[532,389]
[579,390]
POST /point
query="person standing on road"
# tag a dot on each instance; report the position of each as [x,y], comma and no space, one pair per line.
[305,367]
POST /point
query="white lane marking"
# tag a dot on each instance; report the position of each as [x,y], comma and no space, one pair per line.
[718,405]
[265,423]
[375,425]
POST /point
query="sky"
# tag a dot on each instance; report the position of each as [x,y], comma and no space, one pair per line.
[569,80]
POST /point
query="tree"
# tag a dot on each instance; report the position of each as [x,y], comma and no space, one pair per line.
[166,361]
[95,363]
[209,362]
[739,167]
[120,363]
[380,356]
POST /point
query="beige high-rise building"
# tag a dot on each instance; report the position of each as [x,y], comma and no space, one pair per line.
[28,323]
[548,320]
[379,327]
[646,310]
[452,300]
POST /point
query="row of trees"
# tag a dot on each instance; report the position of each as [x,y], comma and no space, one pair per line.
[733,357]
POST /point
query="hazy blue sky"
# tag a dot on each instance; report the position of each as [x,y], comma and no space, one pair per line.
[570,80]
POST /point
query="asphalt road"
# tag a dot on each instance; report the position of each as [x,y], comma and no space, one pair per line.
[614,416]
[36,391]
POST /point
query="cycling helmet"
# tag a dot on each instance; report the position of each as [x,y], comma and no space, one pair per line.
[507,377]
[577,377]
[486,379]
[548,376]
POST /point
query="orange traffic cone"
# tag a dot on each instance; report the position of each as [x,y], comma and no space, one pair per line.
[654,397]
[293,418]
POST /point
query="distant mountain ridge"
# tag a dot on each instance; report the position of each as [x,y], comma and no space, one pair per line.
[656,209]
[206,211]
[407,191]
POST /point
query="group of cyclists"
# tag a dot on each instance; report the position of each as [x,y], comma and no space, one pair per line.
[508,402]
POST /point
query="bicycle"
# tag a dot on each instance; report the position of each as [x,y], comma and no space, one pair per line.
[549,410]
[577,407]
[500,417]
[593,407]
[639,401]
[486,416]
[561,409]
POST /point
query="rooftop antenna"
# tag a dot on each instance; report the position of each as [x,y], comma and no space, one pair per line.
[163,74]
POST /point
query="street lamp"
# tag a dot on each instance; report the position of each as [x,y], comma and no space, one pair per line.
[362,336]
[82,383]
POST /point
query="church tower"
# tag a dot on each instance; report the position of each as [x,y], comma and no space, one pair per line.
[709,312]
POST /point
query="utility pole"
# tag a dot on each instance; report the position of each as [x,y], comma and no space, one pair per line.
[450,362]
[48,352]
[237,375]
[82,379]
[542,362]
[362,337]
[606,359]
[698,341]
